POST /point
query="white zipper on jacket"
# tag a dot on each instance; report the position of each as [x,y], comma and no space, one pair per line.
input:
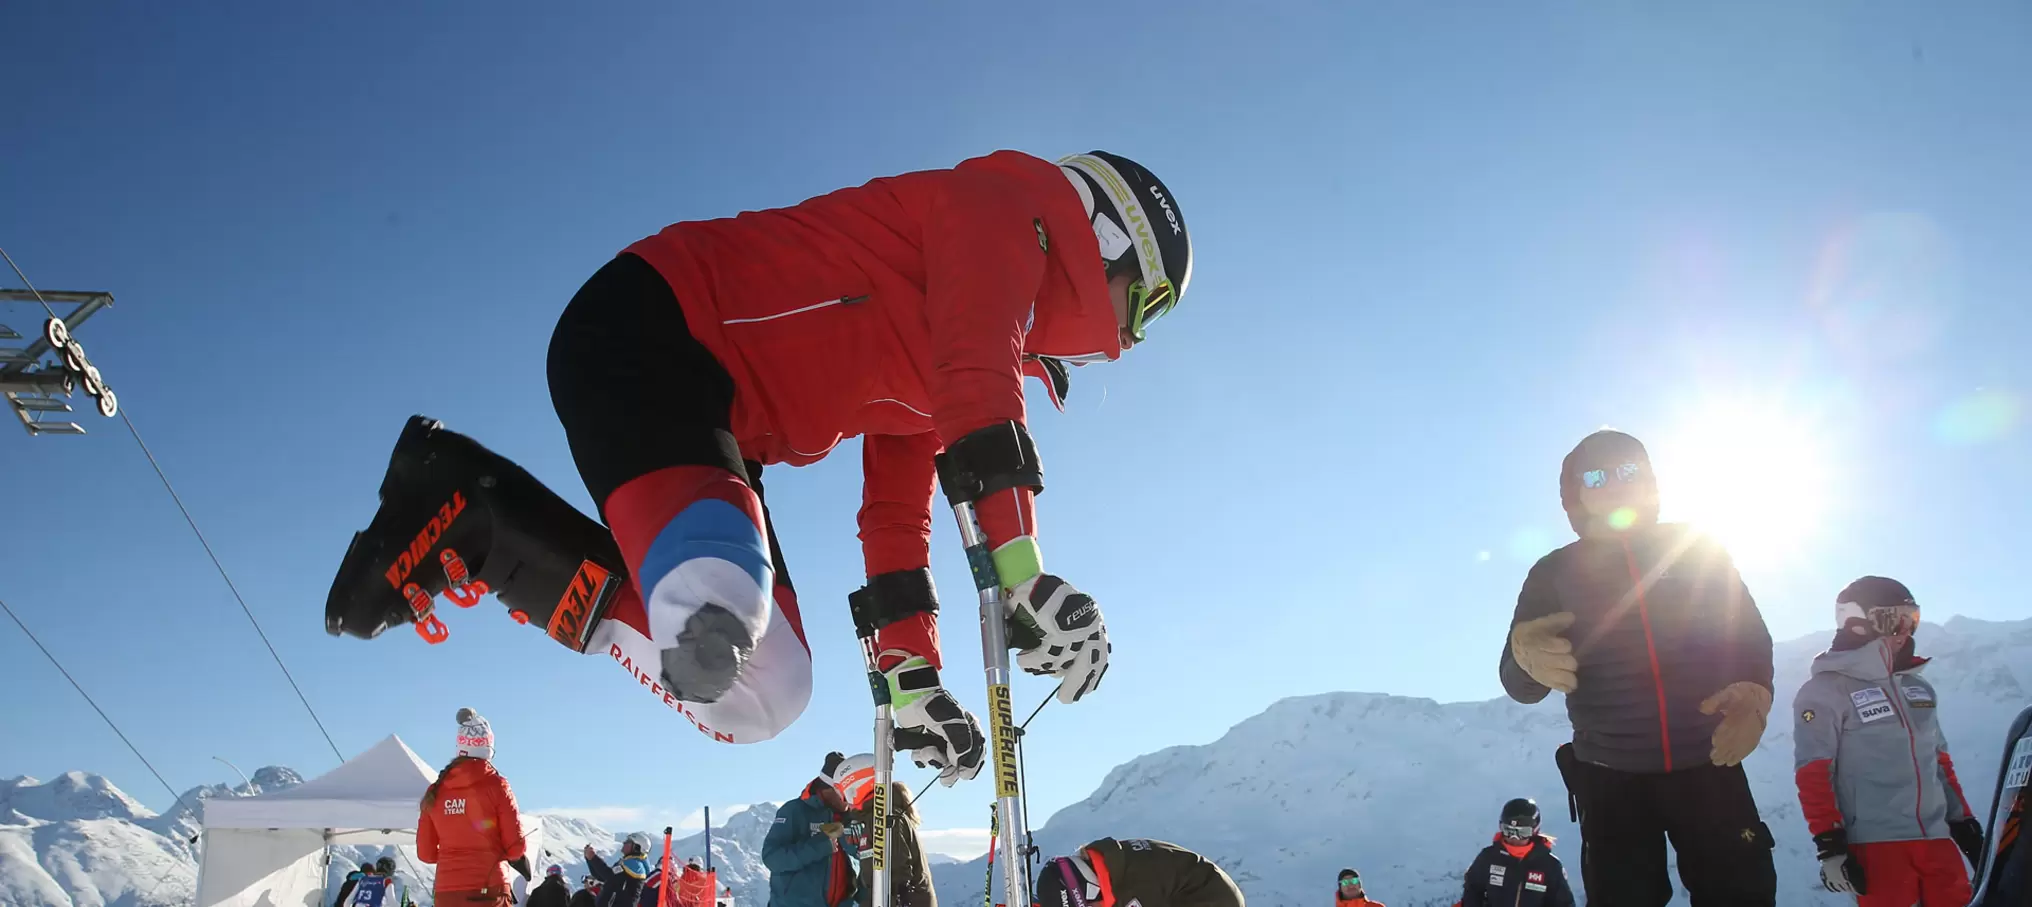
[844,300]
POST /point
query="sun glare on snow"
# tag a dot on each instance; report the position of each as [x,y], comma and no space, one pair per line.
[1754,476]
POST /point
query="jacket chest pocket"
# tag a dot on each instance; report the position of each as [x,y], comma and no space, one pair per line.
[797,311]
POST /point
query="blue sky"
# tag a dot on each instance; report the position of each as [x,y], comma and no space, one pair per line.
[1783,243]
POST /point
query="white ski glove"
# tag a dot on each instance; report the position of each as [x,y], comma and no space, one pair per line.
[1839,872]
[931,725]
[1059,632]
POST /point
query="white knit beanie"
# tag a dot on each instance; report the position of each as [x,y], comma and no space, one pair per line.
[476,737]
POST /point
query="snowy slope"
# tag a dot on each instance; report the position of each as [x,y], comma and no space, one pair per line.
[1406,790]
[79,841]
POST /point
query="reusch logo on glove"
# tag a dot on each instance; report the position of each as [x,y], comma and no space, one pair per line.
[1080,616]
[426,539]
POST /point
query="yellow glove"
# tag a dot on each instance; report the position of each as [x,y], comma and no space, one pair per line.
[1743,705]
[1544,654]
[832,830]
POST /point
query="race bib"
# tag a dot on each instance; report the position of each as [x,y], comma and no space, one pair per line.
[2021,764]
[370,892]
[1872,704]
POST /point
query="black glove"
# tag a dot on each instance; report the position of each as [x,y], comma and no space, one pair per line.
[521,865]
[1839,871]
[1968,835]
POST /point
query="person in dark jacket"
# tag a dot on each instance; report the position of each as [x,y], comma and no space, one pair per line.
[1518,868]
[1666,665]
[621,884]
[1135,871]
[810,864]
[652,887]
[588,894]
[553,892]
[352,879]
[909,868]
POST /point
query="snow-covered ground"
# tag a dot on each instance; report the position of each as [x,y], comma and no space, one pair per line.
[1403,789]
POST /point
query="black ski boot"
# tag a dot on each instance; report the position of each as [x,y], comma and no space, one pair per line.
[459,519]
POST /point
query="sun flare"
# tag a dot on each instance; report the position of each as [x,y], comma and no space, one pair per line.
[1752,475]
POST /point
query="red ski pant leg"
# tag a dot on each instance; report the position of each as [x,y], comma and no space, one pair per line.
[1889,874]
[1905,873]
[1943,876]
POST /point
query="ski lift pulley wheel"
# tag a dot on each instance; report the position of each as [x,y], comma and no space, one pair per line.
[57,333]
[109,405]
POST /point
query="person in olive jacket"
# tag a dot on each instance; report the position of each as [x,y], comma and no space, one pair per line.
[909,869]
[1135,870]
[1517,869]
[1665,661]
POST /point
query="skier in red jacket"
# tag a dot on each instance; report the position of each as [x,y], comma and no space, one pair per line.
[905,311]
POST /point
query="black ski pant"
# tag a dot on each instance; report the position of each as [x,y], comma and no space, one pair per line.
[1706,813]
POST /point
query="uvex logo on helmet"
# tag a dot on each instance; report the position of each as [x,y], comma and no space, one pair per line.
[1140,222]
[1170,215]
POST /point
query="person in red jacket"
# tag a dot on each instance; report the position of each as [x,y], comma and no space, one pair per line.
[469,824]
[905,311]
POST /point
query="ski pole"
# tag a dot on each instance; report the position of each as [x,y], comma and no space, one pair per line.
[862,606]
[995,665]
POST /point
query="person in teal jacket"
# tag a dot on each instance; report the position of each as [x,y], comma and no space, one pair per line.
[810,864]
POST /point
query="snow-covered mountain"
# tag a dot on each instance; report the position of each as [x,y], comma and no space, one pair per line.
[1406,790]
[941,859]
[79,841]
[1403,789]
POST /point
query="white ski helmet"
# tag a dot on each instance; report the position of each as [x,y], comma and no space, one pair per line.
[854,778]
[639,840]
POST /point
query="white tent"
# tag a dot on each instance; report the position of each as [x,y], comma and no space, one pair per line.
[270,850]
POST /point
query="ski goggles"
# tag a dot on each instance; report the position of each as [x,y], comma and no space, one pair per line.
[1895,620]
[1146,305]
[1600,478]
[1080,881]
[1352,882]
[1516,833]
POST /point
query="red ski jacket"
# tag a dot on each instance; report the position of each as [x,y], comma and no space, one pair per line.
[907,310]
[469,827]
